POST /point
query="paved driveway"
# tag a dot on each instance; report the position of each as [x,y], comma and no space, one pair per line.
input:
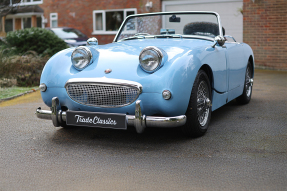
[244,149]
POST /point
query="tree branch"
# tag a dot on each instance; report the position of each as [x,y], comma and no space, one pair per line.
[6,7]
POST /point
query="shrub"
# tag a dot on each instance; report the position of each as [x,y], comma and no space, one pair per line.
[26,69]
[23,54]
[39,40]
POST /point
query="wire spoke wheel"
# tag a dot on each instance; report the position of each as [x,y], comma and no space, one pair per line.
[202,103]
[199,108]
[248,81]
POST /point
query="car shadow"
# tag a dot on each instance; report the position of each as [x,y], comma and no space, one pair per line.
[129,136]
[152,137]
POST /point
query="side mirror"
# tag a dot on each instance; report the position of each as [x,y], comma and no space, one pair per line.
[92,41]
[218,40]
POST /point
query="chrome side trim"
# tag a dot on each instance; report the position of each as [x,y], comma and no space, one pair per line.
[230,37]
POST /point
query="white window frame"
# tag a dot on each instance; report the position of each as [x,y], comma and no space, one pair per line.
[53,18]
[22,22]
[104,20]
[24,2]
[24,15]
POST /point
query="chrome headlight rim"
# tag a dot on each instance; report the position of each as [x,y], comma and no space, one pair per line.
[88,54]
[160,55]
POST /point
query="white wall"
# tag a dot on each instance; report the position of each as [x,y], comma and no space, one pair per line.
[231,18]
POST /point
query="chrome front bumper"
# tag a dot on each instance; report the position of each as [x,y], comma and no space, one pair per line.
[139,121]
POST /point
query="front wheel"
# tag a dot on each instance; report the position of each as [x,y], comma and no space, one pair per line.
[199,108]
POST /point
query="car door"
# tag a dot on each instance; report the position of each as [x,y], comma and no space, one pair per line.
[235,68]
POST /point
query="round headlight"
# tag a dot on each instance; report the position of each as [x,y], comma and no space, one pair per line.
[150,58]
[81,57]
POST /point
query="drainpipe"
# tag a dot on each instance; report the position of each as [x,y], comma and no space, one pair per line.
[2,32]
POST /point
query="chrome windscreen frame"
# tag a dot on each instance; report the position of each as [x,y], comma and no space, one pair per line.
[173,12]
[106,82]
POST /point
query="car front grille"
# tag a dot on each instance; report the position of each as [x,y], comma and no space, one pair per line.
[103,95]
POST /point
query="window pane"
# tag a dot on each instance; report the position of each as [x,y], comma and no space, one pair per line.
[39,22]
[27,23]
[54,23]
[114,20]
[99,21]
[8,25]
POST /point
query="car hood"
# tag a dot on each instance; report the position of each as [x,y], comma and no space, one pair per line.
[122,58]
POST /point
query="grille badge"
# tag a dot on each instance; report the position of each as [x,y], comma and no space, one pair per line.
[107,71]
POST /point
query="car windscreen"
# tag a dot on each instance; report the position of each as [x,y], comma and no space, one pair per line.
[169,25]
[68,33]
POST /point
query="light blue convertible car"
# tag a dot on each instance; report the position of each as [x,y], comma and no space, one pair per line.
[169,69]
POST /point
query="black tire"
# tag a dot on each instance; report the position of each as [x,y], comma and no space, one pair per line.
[198,112]
[247,90]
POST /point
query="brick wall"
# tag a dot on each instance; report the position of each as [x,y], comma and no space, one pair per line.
[265,30]
[79,13]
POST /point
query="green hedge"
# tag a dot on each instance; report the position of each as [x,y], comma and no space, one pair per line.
[23,54]
[42,41]
[26,69]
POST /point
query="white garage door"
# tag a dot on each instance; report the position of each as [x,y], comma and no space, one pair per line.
[231,18]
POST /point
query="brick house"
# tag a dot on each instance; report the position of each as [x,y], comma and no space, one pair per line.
[262,25]
[265,30]
[94,18]
[26,14]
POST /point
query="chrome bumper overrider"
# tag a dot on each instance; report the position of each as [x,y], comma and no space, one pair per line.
[139,121]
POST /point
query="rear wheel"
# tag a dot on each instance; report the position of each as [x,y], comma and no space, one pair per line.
[199,108]
[247,90]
